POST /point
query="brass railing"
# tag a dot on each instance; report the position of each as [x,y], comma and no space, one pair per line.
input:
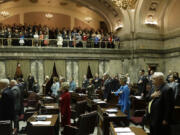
[11,42]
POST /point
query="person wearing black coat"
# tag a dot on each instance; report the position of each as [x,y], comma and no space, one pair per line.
[160,106]
[30,82]
[107,87]
[142,82]
[6,101]
[17,102]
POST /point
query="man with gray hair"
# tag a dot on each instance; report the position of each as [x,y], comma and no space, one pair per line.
[6,101]
[17,102]
[160,106]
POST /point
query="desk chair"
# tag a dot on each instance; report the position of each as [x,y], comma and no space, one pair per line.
[138,118]
[80,108]
[6,128]
[87,123]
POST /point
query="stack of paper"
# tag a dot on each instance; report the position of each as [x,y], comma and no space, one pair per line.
[41,123]
[46,116]
[101,102]
[112,115]
[49,107]
[47,97]
[128,133]
[96,100]
[124,131]
[138,97]
[112,110]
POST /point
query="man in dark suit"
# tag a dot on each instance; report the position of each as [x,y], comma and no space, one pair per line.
[30,82]
[142,81]
[17,102]
[97,82]
[107,87]
[7,102]
[176,89]
[160,106]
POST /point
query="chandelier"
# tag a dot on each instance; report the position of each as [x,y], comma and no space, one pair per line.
[4,13]
[88,19]
[49,15]
[125,4]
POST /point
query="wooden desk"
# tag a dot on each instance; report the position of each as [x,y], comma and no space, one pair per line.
[52,129]
[104,120]
[138,103]
[47,99]
[176,113]
[78,96]
[137,131]
[93,105]
[52,108]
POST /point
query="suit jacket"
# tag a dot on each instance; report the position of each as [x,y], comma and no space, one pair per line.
[176,89]
[17,98]
[7,105]
[107,89]
[142,85]
[162,107]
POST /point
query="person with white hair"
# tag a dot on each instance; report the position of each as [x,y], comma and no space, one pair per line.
[160,105]
[17,102]
[6,101]
[45,85]
[123,92]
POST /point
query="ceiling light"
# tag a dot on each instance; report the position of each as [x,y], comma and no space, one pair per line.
[49,15]
[4,13]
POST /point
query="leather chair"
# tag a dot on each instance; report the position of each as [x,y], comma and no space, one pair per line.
[87,123]
[138,118]
[80,108]
[6,128]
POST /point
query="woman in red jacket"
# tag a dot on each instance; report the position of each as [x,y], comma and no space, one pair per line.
[65,104]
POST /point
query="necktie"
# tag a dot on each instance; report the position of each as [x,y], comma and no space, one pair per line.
[150,104]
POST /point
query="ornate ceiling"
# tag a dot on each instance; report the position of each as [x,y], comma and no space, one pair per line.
[150,16]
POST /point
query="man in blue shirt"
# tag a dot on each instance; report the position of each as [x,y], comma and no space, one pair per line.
[72,85]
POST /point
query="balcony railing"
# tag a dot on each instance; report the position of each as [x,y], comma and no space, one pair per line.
[10,42]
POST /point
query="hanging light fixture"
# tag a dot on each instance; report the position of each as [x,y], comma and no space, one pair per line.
[4,13]
[125,4]
[88,19]
[49,15]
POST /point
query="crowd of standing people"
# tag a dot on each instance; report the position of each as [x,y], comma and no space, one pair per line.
[161,93]
[38,35]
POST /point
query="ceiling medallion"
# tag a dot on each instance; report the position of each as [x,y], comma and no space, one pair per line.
[125,4]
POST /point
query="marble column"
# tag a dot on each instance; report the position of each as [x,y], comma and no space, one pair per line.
[101,68]
[2,70]
[72,22]
[72,70]
[37,71]
[22,18]
[75,72]
[68,70]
